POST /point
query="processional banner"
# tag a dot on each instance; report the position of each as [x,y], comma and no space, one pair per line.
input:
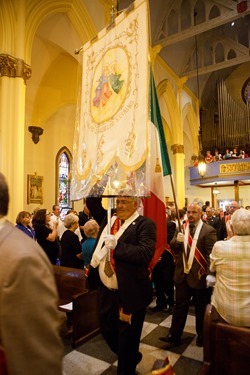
[112,142]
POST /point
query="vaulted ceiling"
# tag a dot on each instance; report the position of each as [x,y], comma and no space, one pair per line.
[200,38]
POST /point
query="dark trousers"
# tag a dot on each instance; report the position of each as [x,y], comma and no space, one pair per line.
[201,297]
[123,338]
[163,279]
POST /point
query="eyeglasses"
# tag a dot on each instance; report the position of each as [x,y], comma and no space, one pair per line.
[123,202]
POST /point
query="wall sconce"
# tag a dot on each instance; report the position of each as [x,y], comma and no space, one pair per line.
[202,168]
[36,132]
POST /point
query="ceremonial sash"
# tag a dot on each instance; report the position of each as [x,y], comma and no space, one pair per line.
[111,282]
[194,251]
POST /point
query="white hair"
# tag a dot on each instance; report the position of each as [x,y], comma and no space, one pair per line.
[240,222]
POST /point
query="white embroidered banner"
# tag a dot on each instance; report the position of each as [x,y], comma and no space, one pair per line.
[112,136]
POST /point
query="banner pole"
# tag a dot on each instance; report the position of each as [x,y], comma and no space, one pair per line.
[109,209]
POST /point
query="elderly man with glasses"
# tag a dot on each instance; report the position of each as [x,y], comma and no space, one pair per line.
[125,290]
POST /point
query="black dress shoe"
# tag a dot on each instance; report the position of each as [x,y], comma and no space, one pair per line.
[158,308]
[170,341]
[170,309]
[138,358]
[199,341]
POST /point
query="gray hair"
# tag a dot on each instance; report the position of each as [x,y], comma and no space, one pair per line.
[91,228]
[70,219]
[240,222]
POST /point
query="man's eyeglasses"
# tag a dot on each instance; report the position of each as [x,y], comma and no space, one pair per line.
[123,202]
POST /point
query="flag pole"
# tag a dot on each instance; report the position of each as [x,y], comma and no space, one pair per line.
[181,229]
[175,202]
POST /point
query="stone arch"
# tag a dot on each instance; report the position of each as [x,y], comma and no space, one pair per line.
[231,54]
[7,22]
[190,118]
[75,10]
[172,23]
[185,12]
[214,12]
[219,53]
[169,108]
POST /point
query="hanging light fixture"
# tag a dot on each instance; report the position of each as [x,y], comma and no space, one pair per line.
[202,168]
[216,191]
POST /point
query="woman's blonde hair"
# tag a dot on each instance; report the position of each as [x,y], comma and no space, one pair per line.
[70,219]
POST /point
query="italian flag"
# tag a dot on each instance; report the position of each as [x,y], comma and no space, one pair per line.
[154,206]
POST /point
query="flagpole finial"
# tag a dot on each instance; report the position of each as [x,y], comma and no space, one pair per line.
[157,166]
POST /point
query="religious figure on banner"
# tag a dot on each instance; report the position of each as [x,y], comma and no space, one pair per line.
[110,82]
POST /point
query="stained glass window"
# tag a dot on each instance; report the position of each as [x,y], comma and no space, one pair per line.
[64,182]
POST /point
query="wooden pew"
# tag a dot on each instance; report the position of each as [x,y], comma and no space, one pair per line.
[72,289]
[226,348]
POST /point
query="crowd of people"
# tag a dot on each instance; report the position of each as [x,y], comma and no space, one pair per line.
[206,260]
[219,156]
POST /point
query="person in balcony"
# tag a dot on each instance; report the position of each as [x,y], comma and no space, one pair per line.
[217,156]
[235,153]
[227,155]
[209,158]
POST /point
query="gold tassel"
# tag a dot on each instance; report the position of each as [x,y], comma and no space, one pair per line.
[157,166]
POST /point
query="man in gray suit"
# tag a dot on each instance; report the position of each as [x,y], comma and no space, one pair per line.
[29,330]
[193,249]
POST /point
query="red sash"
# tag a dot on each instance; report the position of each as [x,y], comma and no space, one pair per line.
[199,258]
[168,248]
[114,229]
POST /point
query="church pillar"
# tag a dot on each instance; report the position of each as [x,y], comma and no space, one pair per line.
[14,73]
[178,151]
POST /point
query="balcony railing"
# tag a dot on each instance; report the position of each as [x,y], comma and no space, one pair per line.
[219,171]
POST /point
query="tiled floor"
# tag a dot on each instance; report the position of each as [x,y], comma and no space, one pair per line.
[95,358]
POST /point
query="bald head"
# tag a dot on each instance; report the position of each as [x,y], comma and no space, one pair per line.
[194,213]
[234,205]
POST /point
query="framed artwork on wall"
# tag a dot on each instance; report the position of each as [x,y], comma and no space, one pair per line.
[34,189]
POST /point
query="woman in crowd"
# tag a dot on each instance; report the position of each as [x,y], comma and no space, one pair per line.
[23,220]
[46,237]
[90,229]
[70,244]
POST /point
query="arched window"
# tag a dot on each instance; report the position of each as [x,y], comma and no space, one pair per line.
[63,164]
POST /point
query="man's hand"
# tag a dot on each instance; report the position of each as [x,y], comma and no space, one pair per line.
[180,237]
[110,241]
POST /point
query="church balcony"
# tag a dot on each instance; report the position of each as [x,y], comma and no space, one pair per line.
[222,172]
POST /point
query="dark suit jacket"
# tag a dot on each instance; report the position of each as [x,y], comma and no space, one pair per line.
[134,250]
[206,240]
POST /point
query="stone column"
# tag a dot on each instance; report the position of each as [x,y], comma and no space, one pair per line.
[178,151]
[13,75]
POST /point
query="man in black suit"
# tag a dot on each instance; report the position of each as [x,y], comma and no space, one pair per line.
[192,266]
[125,288]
